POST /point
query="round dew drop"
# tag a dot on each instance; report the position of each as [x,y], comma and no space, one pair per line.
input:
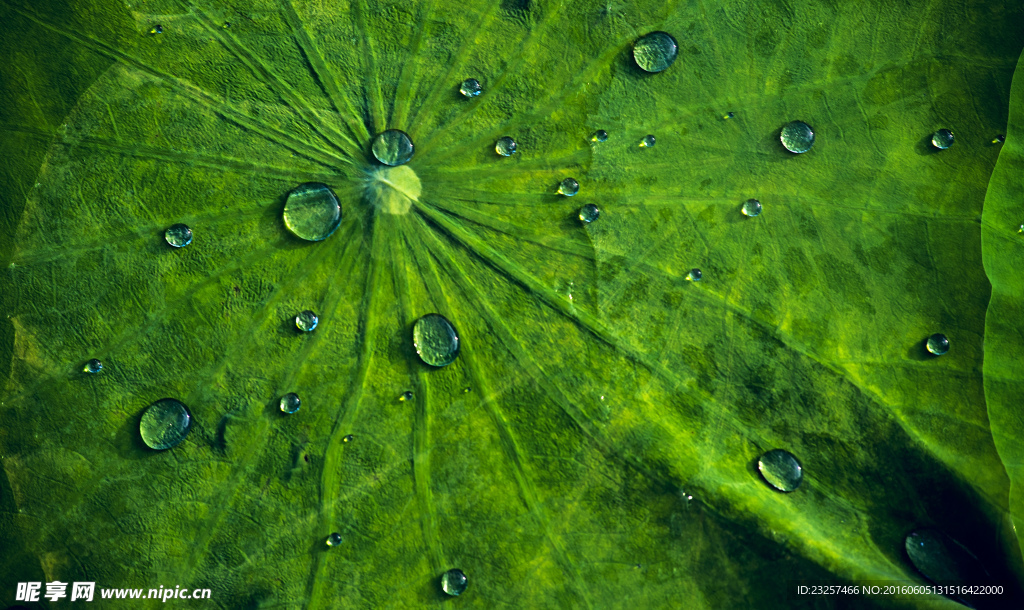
[454,582]
[797,137]
[312,211]
[334,539]
[505,146]
[599,136]
[781,469]
[165,423]
[348,438]
[728,115]
[942,139]
[470,87]
[937,344]
[93,366]
[406,396]
[392,147]
[435,340]
[655,52]
[648,141]
[290,403]
[694,275]
[568,187]
[751,207]
[306,321]
[178,236]
[589,213]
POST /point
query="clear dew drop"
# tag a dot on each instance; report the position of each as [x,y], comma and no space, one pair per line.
[165,423]
[505,146]
[589,213]
[348,438]
[306,321]
[999,139]
[942,139]
[647,141]
[943,560]
[751,207]
[781,469]
[334,539]
[454,582]
[937,344]
[435,340]
[599,136]
[93,366]
[470,87]
[728,115]
[797,137]
[655,52]
[694,275]
[392,147]
[290,403]
[312,211]
[568,187]
[156,29]
[406,396]
[179,235]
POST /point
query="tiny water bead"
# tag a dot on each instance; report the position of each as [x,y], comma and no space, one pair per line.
[505,146]
[797,137]
[599,136]
[178,236]
[589,213]
[568,187]
[306,321]
[392,147]
[435,340]
[694,275]
[93,366]
[157,29]
[728,115]
[406,396]
[655,52]
[751,207]
[647,141]
[942,139]
[470,87]
[348,438]
[290,403]
[312,211]
[781,469]
[999,139]
[165,423]
[937,344]
[454,582]
[334,539]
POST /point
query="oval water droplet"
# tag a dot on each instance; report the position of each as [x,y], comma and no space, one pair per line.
[589,213]
[943,560]
[648,141]
[655,52]
[694,275]
[454,582]
[568,187]
[797,137]
[937,344]
[942,139]
[435,340]
[406,396]
[751,207]
[470,87]
[165,423]
[728,115]
[781,469]
[599,136]
[334,539]
[93,366]
[178,235]
[348,438]
[290,403]
[392,147]
[306,321]
[312,211]
[505,146]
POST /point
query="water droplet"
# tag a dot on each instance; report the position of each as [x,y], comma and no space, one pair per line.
[466,390]
[348,438]
[943,560]
[751,207]
[648,141]
[728,115]
[165,423]
[781,469]
[999,139]
[470,87]
[568,187]
[435,340]
[93,366]
[589,213]
[454,582]
[942,139]
[392,147]
[157,29]
[694,275]
[937,344]
[599,136]
[407,395]
[334,539]
[797,137]
[1021,228]
[505,146]
[312,211]
[178,235]
[655,52]
[306,321]
[290,403]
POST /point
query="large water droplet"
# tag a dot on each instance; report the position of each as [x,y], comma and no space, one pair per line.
[392,147]
[589,213]
[937,344]
[781,469]
[435,340]
[312,211]
[751,207]
[655,52]
[599,136]
[334,539]
[290,403]
[470,87]
[942,139]
[306,321]
[694,275]
[797,137]
[568,187]
[454,582]
[944,561]
[165,423]
[648,141]
[178,235]
[505,146]
[93,366]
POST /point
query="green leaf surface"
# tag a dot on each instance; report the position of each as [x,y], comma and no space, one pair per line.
[595,442]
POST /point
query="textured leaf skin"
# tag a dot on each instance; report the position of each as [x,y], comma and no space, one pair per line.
[561,478]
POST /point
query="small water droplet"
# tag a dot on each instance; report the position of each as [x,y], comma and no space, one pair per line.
[165,423]
[942,139]
[93,366]
[178,235]
[227,24]
[290,403]
[454,582]
[781,469]
[751,207]
[568,187]
[435,340]
[157,29]
[937,344]
[944,561]
[797,137]
[647,141]
[392,147]
[312,211]
[348,438]
[589,213]
[1021,228]
[599,136]
[655,52]
[999,139]
[470,87]
[306,321]
[406,396]
[334,539]
[505,146]
[694,275]
[466,390]
[728,115]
